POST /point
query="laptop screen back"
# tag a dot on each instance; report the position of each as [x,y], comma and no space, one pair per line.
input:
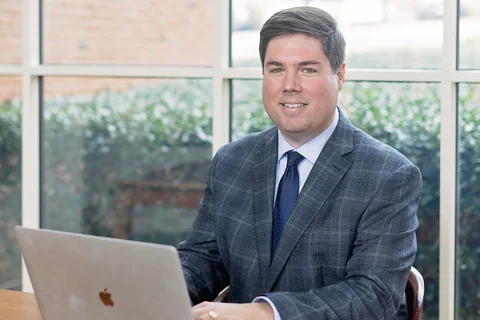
[77,276]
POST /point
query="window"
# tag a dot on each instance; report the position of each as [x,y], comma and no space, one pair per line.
[469,35]
[125,158]
[10,180]
[379,33]
[11,31]
[248,115]
[468,215]
[142,32]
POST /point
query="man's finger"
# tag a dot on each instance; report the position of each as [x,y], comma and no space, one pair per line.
[205,310]
[205,316]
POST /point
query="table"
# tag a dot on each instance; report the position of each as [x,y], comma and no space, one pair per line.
[15,305]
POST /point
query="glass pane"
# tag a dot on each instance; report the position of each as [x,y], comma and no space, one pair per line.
[125,158]
[142,32]
[403,115]
[379,33]
[11,31]
[468,216]
[248,115]
[469,34]
[10,181]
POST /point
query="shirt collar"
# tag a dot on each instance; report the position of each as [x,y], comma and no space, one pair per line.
[312,149]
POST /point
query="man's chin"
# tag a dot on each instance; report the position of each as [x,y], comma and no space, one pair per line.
[296,137]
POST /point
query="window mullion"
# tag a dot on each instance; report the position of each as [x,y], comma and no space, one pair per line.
[448,165]
[221,85]
[30,123]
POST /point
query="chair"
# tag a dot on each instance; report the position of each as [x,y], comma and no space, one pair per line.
[223,295]
[414,293]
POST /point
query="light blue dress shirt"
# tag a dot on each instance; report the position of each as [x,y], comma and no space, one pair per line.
[310,151]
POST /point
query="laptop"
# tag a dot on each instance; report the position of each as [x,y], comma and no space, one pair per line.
[78,276]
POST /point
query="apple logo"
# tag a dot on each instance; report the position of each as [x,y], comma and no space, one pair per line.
[106,298]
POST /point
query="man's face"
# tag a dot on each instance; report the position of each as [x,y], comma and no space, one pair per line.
[299,87]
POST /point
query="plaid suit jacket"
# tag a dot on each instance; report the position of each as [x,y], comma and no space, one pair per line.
[348,245]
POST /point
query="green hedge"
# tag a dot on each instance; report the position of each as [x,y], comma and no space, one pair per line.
[161,133]
[126,135]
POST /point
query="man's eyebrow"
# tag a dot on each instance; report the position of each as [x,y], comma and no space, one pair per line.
[309,62]
[274,63]
[301,64]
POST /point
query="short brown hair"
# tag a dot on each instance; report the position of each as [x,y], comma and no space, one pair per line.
[311,21]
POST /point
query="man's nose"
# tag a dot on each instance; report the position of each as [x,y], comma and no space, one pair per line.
[291,82]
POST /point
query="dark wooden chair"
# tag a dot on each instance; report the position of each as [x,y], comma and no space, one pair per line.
[414,292]
[223,295]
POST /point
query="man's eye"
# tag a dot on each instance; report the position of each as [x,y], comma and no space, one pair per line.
[308,70]
[276,70]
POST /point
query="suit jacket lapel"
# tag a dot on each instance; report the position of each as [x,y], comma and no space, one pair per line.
[327,172]
[263,188]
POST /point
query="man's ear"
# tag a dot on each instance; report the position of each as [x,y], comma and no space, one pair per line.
[341,75]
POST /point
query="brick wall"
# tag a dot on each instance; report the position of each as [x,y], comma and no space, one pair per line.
[11,31]
[10,87]
[141,32]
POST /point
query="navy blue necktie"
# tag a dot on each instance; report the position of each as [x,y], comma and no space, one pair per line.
[286,196]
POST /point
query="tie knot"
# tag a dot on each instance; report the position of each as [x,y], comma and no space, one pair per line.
[294,158]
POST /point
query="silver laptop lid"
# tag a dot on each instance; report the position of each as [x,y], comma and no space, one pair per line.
[77,276]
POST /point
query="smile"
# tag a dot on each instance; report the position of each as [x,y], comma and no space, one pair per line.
[293,105]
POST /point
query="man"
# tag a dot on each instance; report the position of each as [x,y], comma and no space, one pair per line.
[345,249]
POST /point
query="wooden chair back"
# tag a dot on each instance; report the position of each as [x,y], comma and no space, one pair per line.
[414,293]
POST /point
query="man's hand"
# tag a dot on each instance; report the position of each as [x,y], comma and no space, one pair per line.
[232,311]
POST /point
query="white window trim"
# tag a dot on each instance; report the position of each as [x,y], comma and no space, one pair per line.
[221,75]
[448,163]
[30,124]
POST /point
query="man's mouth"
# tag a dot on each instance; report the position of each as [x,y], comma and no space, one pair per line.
[293,105]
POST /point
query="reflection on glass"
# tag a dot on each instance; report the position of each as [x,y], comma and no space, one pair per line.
[468,215]
[248,115]
[379,33]
[403,115]
[469,34]
[10,181]
[141,32]
[125,158]
[11,31]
